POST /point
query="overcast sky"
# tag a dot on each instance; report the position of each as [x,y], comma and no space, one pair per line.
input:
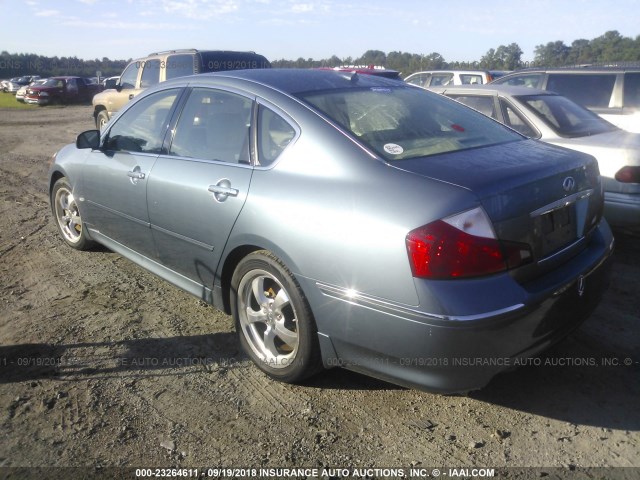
[461,30]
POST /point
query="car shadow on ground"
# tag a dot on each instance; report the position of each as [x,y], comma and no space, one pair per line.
[576,381]
[142,357]
[584,394]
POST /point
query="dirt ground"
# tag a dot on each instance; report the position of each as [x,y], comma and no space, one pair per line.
[104,365]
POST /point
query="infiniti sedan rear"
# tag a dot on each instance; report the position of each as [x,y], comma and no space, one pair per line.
[345,220]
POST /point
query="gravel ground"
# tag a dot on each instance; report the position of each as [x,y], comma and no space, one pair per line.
[104,365]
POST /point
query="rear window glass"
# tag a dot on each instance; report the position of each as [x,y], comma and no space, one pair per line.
[565,117]
[402,123]
[179,66]
[590,90]
[483,104]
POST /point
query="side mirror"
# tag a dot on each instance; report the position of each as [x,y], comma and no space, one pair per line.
[89,139]
[110,83]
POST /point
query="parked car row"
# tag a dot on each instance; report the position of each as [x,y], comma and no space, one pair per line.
[14,84]
[54,90]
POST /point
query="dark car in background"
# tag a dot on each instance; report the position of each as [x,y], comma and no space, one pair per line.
[59,90]
[345,220]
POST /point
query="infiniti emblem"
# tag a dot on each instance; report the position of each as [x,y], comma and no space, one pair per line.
[568,184]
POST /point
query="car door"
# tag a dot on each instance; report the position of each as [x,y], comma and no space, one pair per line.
[126,89]
[197,190]
[115,192]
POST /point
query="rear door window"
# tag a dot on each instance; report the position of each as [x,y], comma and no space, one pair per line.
[441,79]
[214,125]
[180,66]
[589,90]
[470,79]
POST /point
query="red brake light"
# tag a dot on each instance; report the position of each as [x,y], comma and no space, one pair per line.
[628,175]
[445,249]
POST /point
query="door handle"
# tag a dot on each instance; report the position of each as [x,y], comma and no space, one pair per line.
[136,175]
[222,190]
[130,96]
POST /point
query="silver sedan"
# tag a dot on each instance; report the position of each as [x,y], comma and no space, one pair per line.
[557,120]
[345,220]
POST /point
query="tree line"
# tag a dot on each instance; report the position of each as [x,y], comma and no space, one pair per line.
[606,49]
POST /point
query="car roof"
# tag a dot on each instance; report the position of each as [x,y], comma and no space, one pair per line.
[582,68]
[492,89]
[295,81]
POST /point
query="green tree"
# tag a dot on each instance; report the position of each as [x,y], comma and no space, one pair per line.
[553,54]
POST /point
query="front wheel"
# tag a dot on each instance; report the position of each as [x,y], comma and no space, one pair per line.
[101,119]
[273,319]
[67,216]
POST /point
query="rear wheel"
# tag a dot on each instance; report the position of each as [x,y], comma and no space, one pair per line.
[273,319]
[67,215]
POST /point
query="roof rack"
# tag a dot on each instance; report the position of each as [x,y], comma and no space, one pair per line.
[586,66]
[195,50]
[180,50]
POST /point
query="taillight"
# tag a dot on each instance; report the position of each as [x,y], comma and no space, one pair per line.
[628,175]
[462,245]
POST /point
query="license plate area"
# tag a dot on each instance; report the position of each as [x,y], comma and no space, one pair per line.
[558,229]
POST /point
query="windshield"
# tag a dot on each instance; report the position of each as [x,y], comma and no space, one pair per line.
[406,122]
[52,82]
[565,117]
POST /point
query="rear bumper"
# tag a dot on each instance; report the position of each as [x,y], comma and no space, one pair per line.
[449,354]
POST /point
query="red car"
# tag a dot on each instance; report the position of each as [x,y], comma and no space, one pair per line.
[62,90]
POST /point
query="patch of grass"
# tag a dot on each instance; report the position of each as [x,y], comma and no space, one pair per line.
[8,100]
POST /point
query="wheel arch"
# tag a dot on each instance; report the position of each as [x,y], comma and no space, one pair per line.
[236,254]
[97,109]
[53,178]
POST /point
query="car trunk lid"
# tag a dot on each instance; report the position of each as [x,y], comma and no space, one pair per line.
[546,197]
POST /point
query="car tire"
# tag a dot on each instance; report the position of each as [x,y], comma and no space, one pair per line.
[101,119]
[274,322]
[66,213]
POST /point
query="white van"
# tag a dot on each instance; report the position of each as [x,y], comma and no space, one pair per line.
[445,78]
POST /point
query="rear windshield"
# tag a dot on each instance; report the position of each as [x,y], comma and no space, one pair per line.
[565,117]
[407,122]
[216,61]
